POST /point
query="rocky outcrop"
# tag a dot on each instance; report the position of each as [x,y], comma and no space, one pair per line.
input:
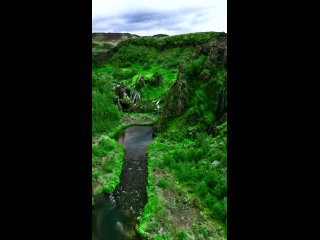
[120,91]
[156,80]
[123,101]
[176,100]
[222,105]
[216,50]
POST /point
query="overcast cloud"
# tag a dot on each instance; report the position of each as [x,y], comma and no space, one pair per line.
[150,17]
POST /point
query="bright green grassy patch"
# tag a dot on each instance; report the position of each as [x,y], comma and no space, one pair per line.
[131,61]
[108,154]
[107,159]
[153,206]
[105,114]
[198,163]
[130,75]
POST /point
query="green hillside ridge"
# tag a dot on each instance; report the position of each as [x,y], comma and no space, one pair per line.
[179,84]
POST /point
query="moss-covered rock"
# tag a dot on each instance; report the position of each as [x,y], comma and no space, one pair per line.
[126,104]
[176,100]
[140,83]
[156,80]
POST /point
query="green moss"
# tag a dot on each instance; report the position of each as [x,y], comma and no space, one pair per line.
[182,148]
[108,155]
[132,61]
[153,206]
[135,119]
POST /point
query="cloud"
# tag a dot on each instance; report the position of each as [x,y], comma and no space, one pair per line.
[155,17]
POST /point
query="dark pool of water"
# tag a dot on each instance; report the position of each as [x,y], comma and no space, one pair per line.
[115,217]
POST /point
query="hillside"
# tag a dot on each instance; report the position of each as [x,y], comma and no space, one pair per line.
[178,84]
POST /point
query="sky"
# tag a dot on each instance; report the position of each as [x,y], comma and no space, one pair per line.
[150,17]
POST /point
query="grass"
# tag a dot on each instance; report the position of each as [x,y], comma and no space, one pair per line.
[107,159]
[130,75]
[108,154]
[134,119]
[153,206]
[195,160]
[163,184]
[131,61]
[183,40]
[198,164]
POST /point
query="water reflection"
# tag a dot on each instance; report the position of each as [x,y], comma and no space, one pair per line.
[115,217]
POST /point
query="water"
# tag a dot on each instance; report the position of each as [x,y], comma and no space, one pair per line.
[115,217]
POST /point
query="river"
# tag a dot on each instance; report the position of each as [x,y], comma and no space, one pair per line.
[114,217]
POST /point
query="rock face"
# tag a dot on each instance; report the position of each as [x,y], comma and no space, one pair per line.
[216,50]
[213,47]
[176,99]
[222,105]
[123,101]
[180,97]
[120,91]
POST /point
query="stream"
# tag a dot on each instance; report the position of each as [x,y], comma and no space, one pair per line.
[114,216]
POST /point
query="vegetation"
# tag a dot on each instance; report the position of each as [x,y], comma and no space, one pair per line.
[108,154]
[105,114]
[107,122]
[198,163]
[178,84]
[107,158]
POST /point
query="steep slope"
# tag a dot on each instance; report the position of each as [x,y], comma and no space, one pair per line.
[183,80]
